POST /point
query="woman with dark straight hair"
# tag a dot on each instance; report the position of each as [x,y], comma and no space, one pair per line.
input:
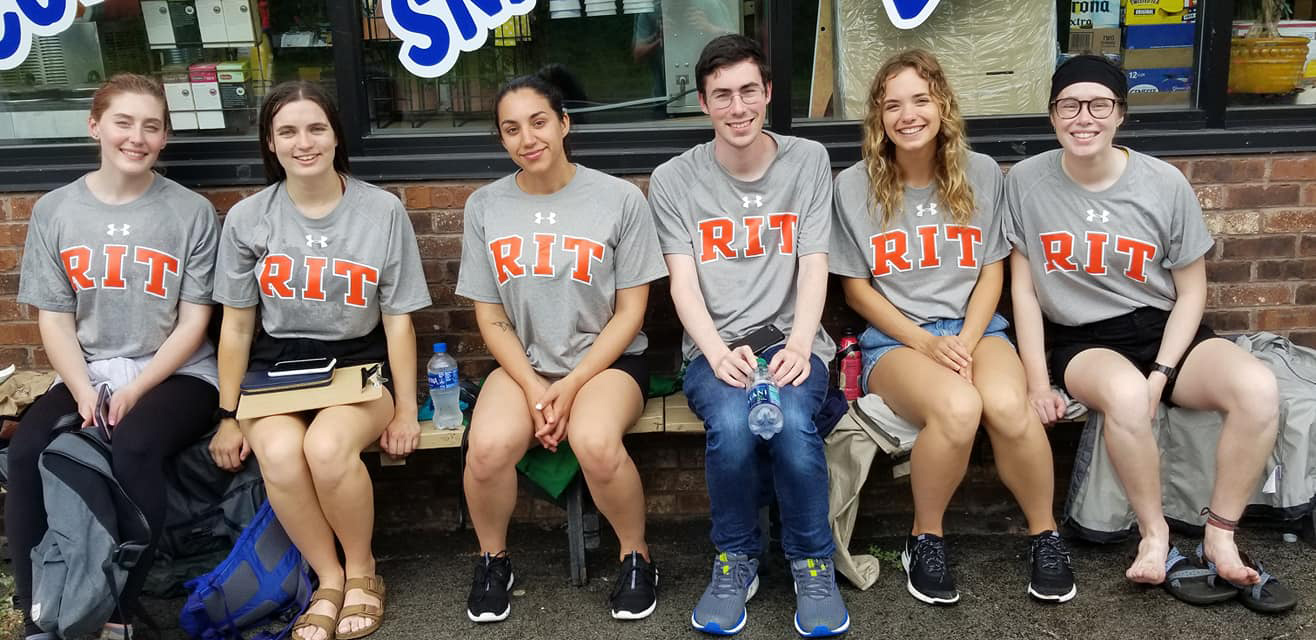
[333,266]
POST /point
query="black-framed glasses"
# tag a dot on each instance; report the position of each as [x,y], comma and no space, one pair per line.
[749,95]
[1099,108]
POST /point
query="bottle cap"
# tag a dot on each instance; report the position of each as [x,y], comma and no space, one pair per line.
[762,362]
[440,347]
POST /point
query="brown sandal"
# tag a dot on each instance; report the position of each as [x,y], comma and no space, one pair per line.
[373,586]
[318,620]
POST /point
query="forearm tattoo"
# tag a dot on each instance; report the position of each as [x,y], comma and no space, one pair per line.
[504,325]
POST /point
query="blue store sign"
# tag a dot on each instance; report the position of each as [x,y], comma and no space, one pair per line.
[21,20]
[435,32]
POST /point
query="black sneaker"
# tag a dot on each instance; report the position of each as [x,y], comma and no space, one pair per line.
[493,579]
[636,593]
[928,570]
[1052,578]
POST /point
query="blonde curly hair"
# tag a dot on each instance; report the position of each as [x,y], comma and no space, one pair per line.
[886,184]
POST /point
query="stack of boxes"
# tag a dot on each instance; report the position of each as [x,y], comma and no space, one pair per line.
[204,95]
[1158,50]
[208,95]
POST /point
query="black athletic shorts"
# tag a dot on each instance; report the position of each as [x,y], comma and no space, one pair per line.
[1135,335]
[372,347]
[637,367]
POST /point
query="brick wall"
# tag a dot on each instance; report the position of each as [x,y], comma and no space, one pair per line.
[1262,273]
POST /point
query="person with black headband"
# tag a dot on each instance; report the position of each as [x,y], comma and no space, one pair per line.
[1109,285]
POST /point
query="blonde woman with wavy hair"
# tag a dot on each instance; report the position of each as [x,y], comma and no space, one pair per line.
[918,242]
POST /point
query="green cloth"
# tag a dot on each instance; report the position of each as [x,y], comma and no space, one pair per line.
[552,472]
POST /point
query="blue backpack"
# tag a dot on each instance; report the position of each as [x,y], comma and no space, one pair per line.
[263,580]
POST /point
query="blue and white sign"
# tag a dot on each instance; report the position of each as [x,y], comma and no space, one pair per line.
[435,32]
[908,14]
[22,20]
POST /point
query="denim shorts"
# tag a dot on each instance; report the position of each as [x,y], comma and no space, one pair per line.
[874,344]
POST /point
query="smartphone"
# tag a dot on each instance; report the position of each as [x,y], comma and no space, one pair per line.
[101,414]
[301,367]
[760,339]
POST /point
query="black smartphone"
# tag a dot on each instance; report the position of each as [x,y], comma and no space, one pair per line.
[760,339]
[301,367]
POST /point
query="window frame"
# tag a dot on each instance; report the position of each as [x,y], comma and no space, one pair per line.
[1208,127]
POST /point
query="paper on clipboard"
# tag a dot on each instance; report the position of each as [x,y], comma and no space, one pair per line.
[346,388]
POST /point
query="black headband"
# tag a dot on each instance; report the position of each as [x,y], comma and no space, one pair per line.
[1090,68]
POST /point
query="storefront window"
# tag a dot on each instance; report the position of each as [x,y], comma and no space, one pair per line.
[617,61]
[1272,55]
[216,58]
[999,59]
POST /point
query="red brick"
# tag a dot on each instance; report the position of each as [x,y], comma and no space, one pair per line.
[10,259]
[19,356]
[435,270]
[462,320]
[1306,294]
[459,196]
[4,208]
[1256,195]
[20,207]
[420,223]
[8,284]
[448,222]
[1295,168]
[1258,247]
[1212,196]
[443,197]
[1232,320]
[1286,318]
[416,197]
[1254,295]
[445,295]
[38,358]
[11,310]
[1228,271]
[1209,170]
[1268,270]
[1307,246]
[1289,221]
[19,333]
[1309,195]
[692,503]
[224,200]
[1304,338]
[437,247]
[12,234]
[1233,223]
[660,504]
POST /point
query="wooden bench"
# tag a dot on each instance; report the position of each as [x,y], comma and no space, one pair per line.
[669,414]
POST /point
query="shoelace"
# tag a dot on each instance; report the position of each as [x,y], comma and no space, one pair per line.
[484,574]
[1050,553]
[931,553]
[632,573]
[815,581]
[727,582]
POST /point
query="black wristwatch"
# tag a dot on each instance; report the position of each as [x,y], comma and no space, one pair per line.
[222,414]
[1168,371]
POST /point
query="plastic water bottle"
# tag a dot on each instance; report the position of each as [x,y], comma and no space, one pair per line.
[444,393]
[764,403]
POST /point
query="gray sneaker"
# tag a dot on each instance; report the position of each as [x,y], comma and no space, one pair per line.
[819,609]
[721,610]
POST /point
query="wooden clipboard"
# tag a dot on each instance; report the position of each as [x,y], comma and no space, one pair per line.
[346,388]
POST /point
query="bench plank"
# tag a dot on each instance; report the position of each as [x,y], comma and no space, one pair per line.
[679,417]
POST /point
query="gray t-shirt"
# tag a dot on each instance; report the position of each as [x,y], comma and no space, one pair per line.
[325,278]
[1098,255]
[556,261]
[746,237]
[121,270]
[922,262]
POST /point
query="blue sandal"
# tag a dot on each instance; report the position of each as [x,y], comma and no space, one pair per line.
[1190,581]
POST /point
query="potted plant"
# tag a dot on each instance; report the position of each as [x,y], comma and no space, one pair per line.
[1262,60]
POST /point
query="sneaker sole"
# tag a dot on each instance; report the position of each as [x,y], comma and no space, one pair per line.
[919,595]
[1066,597]
[821,631]
[496,617]
[631,615]
[716,629]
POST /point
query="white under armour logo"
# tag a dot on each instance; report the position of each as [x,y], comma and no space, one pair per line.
[929,209]
[1093,215]
[311,241]
[540,217]
[756,199]
[121,230]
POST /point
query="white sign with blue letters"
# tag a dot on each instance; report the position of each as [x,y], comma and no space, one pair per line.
[435,32]
[22,20]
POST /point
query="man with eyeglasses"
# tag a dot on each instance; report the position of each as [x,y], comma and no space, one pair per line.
[743,222]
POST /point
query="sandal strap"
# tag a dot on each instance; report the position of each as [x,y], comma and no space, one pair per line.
[373,585]
[327,624]
[332,596]
[362,610]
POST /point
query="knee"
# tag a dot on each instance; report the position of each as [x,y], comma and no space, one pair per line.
[1125,402]
[600,457]
[282,461]
[1255,397]
[1006,412]
[327,457]
[730,442]
[487,457]
[957,416]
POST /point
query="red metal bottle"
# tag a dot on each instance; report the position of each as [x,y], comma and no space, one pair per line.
[850,368]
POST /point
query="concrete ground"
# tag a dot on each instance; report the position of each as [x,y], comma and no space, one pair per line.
[429,576]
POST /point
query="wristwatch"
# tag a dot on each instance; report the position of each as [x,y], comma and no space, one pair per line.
[1168,371]
[222,414]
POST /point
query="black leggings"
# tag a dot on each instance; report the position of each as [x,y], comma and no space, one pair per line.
[167,419]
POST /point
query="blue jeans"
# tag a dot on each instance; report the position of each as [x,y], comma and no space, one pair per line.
[874,344]
[731,465]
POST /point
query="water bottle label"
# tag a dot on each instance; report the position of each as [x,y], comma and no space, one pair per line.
[764,393]
[443,379]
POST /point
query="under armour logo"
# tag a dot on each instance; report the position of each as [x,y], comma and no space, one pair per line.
[929,209]
[311,241]
[756,199]
[1093,215]
[121,230]
[540,217]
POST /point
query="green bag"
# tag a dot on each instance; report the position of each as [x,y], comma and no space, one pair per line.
[550,471]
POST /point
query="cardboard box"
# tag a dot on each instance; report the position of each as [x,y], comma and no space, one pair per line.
[234,85]
[1094,14]
[1142,12]
[1169,57]
[1159,36]
[1159,80]
[1101,41]
[1161,99]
